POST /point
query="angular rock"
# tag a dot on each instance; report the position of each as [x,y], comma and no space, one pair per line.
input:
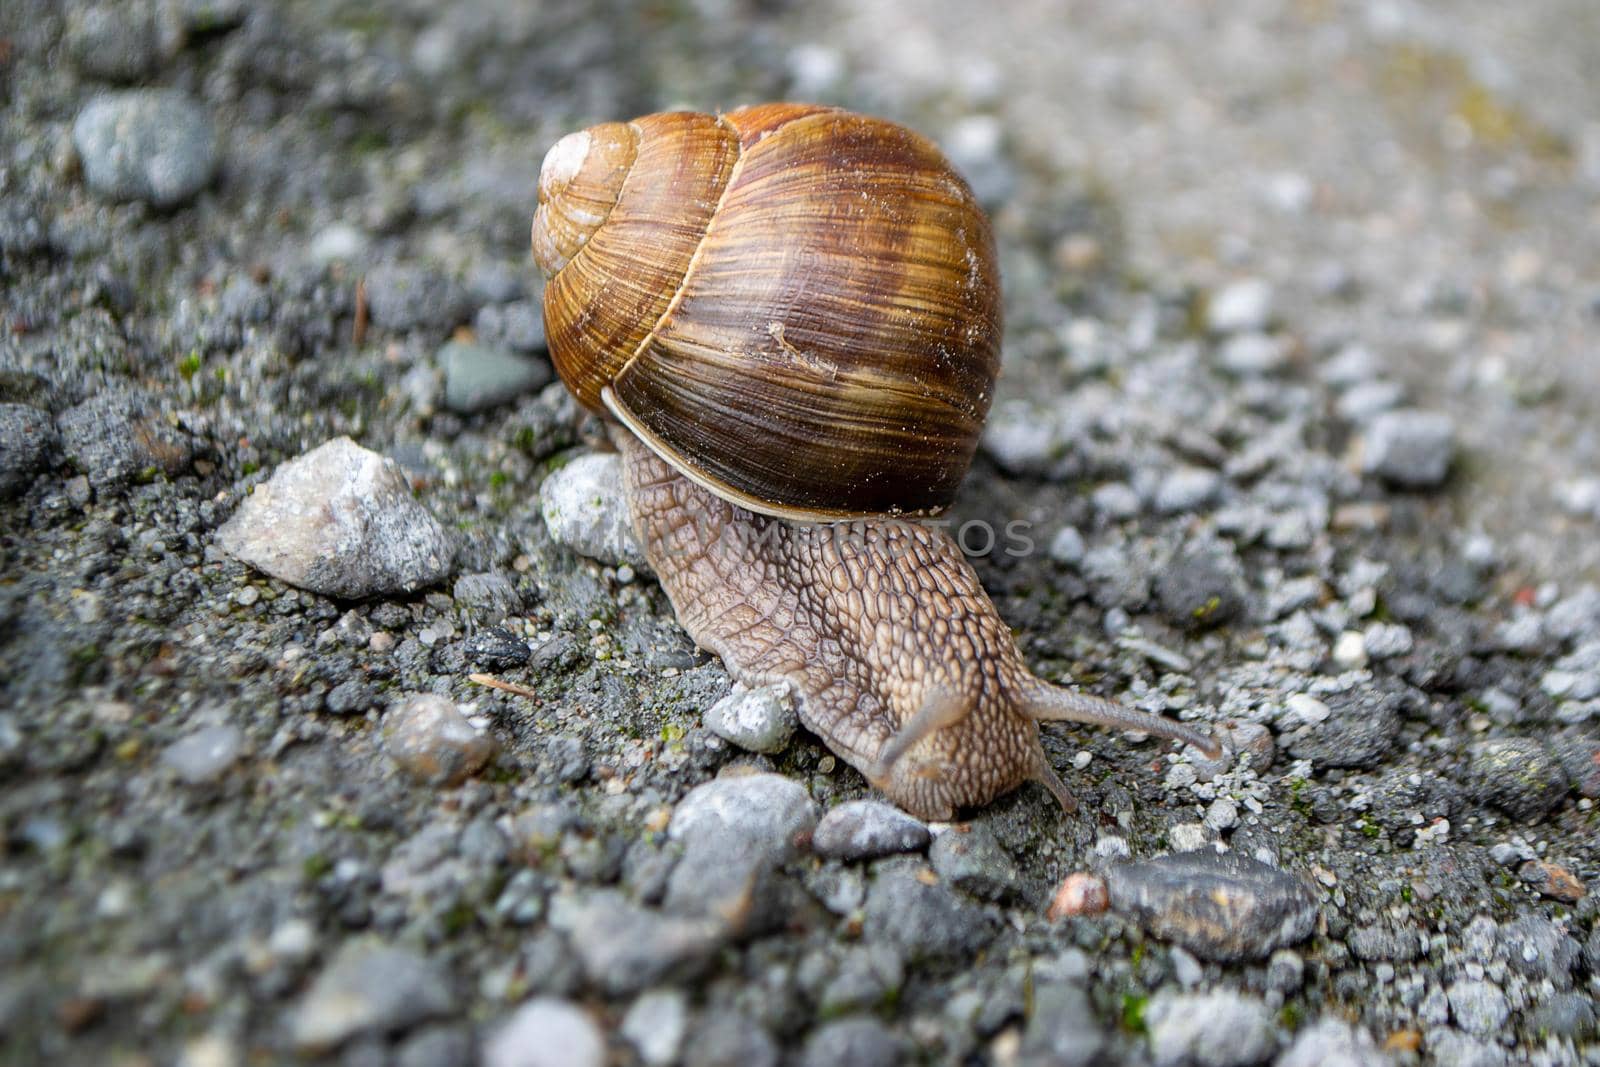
[341,521]
[1240,306]
[1220,906]
[1518,775]
[727,1039]
[1359,730]
[1409,448]
[757,720]
[429,738]
[767,814]
[926,922]
[119,436]
[583,507]
[546,1032]
[624,948]
[655,1024]
[155,145]
[1219,1028]
[867,829]
[857,1042]
[27,437]
[975,862]
[370,988]
[1333,1042]
[1062,1030]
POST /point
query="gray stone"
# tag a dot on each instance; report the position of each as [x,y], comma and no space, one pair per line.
[1115,501]
[404,297]
[1286,971]
[1067,546]
[1518,775]
[120,436]
[118,42]
[1539,948]
[1409,448]
[546,1032]
[1240,306]
[624,948]
[856,1042]
[496,649]
[518,325]
[1568,1014]
[727,1039]
[341,521]
[211,16]
[491,592]
[436,1046]
[1452,1047]
[927,923]
[477,377]
[869,978]
[1333,1042]
[1203,586]
[155,145]
[655,1025]
[428,737]
[767,813]
[370,988]
[975,862]
[27,438]
[584,509]
[1359,730]
[1062,1030]
[204,755]
[1478,1007]
[867,829]
[1220,906]
[1253,354]
[1187,489]
[757,720]
[1219,1028]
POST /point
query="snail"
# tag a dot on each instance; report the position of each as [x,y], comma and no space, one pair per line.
[789,317]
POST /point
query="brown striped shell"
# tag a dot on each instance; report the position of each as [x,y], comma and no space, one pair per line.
[795,306]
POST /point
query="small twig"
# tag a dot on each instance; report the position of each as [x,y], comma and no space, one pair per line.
[358,332]
[508,687]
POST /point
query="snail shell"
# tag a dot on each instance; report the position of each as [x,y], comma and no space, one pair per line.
[796,307]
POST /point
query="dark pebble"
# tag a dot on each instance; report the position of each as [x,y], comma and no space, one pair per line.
[1220,906]
[974,862]
[496,649]
[1518,775]
[1203,587]
[27,437]
[1359,732]
[927,922]
[855,1042]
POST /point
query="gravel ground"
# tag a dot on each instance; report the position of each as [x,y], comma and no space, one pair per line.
[1298,419]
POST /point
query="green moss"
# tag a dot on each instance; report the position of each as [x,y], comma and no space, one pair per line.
[1208,609]
[189,366]
[316,866]
[1132,1015]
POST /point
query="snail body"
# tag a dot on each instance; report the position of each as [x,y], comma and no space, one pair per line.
[791,314]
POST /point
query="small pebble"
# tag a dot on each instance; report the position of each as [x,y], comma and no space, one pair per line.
[477,377]
[1223,814]
[1518,775]
[1384,640]
[1409,448]
[757,720]
[867,829]
[975,862]
[1332,1042]
[1478,1007]
[429,738]
[584,509]
[1350,650]
[405,296]
[370,988]
[1219,1028]
[1253,354]
[1187,489]
[1067,546]
[1080,894]
[1553,880]
[1240,306]
[155,145]
[854,1042]
[546,1032]
[205,755]
[655,1026]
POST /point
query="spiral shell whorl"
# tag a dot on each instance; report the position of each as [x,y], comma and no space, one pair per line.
[579,184]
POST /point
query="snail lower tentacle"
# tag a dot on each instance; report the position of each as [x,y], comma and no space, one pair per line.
[896,657]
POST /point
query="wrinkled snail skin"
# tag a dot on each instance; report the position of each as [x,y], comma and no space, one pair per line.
[790,316]
[892,651]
